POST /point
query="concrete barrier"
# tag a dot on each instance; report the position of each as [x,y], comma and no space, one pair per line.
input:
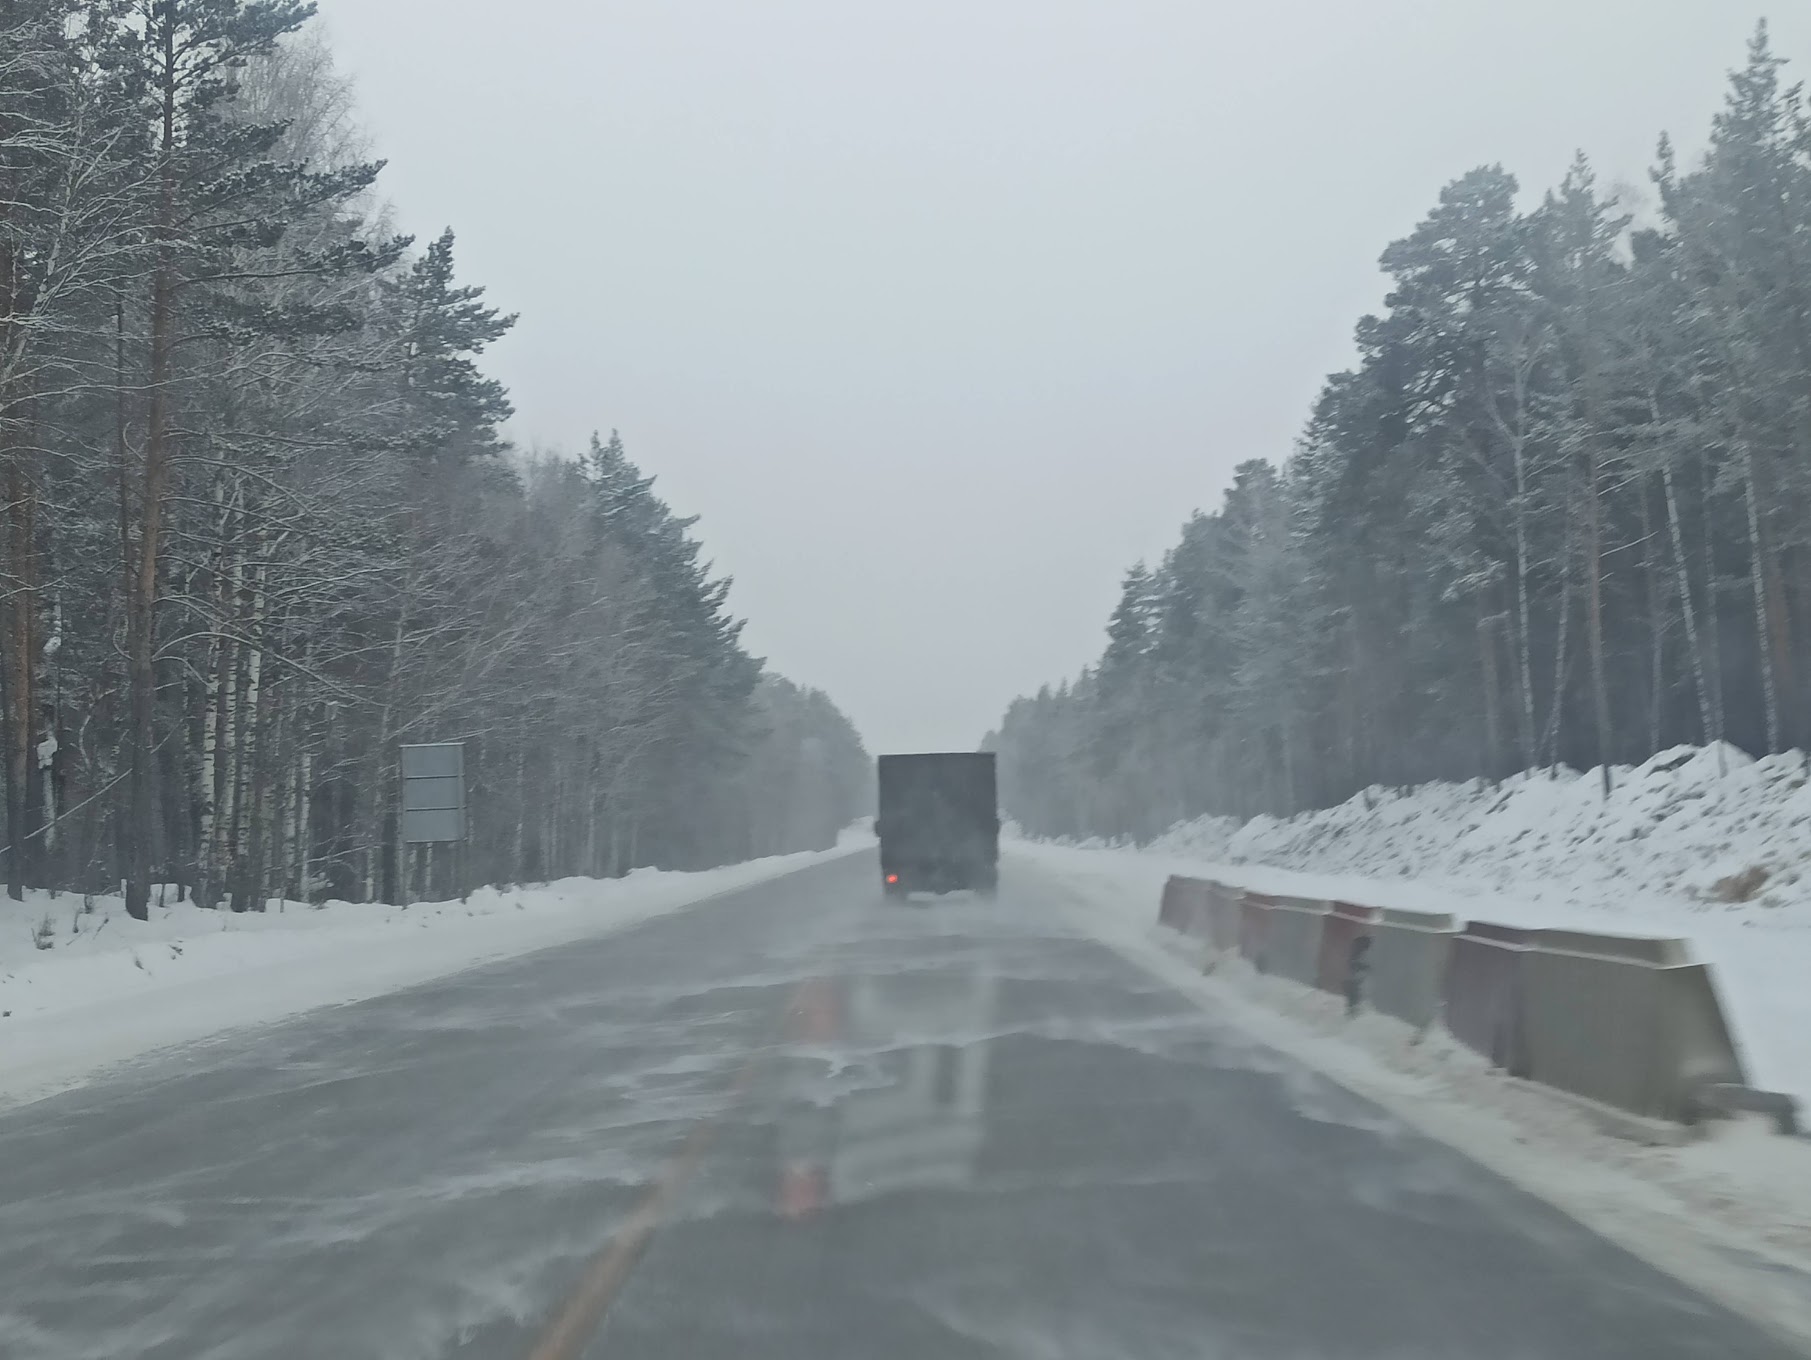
[1344,926]
[1199,909]
[1484,994]
[1704,1046]
[1183,906]
[1254,929]
[1625,1023]
[1410,955]
[1170,905]
[1728,1101]
[1641,1034]
[1637,948]
[1226,909]
[1293,945]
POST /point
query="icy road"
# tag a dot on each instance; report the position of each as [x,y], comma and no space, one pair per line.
[787,1123]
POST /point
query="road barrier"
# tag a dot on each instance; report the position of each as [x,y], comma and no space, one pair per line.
[1170,908]
[1198,908]
[1635,948]
[1293,938]
[1484,993]
[1642,1034]
[1254,929]
[1188,905]
[1226,911]
[1342,928]
[1410,954]
[1629,1023]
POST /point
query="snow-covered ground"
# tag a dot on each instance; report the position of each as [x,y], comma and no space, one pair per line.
[83,986]
[1702,844]
[1730,1214]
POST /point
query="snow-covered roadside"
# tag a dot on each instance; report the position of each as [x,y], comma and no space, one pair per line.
[108,988]
[1706,845]
[1730,1214]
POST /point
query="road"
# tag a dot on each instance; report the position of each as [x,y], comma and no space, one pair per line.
[789,1123]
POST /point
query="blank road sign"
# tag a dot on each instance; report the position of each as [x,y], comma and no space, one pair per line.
[433,793]
[436,792]
[432,824]
[440,760]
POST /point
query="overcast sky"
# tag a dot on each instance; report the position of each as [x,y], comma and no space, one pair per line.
[940,313]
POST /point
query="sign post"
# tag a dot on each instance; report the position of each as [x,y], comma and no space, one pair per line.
[433,800]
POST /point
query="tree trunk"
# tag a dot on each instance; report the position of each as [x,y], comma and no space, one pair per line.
[1651,576]
[301,827]
[21,659]
[222,721]
[209,788]
[1487,657]
[1556,712]
[388,790]
[248,784]
[1525,640]
[142,567]
[257,823]
[1779,633]
[48,749]
[1707,712]
[1763,617]
[1600,694]
[516,871]
[1713,612]
[275,784]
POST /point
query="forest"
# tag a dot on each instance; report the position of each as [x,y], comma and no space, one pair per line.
[1557,512]
[261,522]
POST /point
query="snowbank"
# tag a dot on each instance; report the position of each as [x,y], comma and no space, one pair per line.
[1692,827]
[1705,844]
[83,985]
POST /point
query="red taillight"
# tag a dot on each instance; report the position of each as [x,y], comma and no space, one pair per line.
[892,878]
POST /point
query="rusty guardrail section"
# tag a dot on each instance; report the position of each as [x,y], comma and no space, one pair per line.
[1627,1022]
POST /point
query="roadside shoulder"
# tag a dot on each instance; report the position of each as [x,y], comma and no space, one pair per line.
[1729,1214]
[87,1005]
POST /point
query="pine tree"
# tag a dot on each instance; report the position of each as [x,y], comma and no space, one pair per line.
[1556,513]
[218,206]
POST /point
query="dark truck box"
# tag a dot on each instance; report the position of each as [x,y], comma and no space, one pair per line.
[939,823]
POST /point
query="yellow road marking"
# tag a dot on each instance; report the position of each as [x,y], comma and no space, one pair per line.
[603,1279]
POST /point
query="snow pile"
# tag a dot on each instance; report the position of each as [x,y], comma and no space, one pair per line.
[83,985]
[1699,826]
[1703,844]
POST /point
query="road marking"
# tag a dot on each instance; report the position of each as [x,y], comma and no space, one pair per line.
[604,1277]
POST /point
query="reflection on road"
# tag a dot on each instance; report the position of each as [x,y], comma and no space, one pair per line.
[886,1086]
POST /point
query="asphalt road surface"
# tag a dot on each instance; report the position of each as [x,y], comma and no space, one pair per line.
[792,1123]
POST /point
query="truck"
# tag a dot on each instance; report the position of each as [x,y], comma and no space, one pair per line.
[938,823]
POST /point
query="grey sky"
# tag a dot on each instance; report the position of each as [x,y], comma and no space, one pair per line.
[942,312]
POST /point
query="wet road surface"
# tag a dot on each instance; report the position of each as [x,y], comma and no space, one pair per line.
[793,1122]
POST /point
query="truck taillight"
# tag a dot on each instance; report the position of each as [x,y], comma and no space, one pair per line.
[892,878]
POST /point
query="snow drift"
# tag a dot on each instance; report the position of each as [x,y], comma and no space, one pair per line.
[1692,827]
